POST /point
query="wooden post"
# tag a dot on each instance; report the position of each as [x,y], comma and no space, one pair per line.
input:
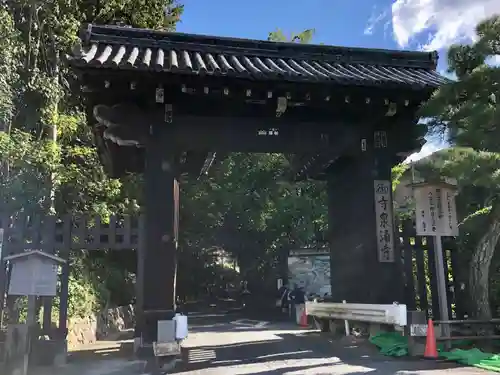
[431,262]
[48,234]
[162,202]
[63,304]
[139,282]
[410,293]
[3,272]
[421,275]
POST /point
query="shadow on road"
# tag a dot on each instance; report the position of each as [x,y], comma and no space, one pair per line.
[119,347]
[219,343]
[307,353]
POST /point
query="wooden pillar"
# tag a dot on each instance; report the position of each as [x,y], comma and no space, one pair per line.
[49,228]
[283,263]
[47,315]
[357,275]
[3,288]
[63,303]
[139,279]
[162,205]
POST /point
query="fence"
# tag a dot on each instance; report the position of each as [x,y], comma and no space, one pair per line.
[419,270]
[59,235]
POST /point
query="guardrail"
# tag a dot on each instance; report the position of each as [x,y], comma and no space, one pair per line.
[420,330]
[382,314]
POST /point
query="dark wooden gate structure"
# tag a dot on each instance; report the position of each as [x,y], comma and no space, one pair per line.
[419,274]
[61,235]
[167,104]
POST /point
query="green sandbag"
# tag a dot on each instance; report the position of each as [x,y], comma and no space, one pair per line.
[474,357]
[394,344]
[390,343]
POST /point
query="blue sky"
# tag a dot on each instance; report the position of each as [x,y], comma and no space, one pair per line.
[390,24]
[336,22]
[399,24]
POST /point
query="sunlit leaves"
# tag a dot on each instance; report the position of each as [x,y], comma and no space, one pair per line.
[248,205]
[303,37]
[468,107]
[8,74]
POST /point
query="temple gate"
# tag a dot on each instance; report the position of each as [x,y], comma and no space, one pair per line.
[167,104]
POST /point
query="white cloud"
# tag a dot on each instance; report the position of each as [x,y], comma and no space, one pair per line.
[375,19]
[443,22]
[494,60]
[448,75]
[430,147]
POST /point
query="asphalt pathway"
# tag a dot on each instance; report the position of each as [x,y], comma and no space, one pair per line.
[225,345]
[233,344]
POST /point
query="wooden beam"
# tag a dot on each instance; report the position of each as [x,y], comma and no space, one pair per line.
[313,167]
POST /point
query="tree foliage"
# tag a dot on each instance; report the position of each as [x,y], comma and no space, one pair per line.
[303,37]
[47,150]
[249,208]
[469,112]
[245,206]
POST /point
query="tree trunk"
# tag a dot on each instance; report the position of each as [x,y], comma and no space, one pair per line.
[480,267]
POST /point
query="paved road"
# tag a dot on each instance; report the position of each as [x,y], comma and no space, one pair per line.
[232,345]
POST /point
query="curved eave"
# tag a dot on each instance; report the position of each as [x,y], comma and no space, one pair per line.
[405,78]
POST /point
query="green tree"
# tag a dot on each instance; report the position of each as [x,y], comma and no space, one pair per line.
[248,207]
[36,97]
[47,149]
[468,109]
[8,68]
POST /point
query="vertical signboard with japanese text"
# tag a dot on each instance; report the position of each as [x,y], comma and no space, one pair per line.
[384,221]
[425,197]
[450,222]
[435,211]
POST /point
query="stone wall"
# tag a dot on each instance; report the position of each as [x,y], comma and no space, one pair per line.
[83,331]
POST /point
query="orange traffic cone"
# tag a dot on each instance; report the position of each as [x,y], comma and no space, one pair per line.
[430,342]
[303,319]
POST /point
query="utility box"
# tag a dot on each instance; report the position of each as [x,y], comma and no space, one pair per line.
[34,273]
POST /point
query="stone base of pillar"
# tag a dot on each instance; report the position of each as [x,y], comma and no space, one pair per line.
[61,354]
[137,344]
[49,353]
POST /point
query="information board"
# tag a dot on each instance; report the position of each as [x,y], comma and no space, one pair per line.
[33,276]
[435,211]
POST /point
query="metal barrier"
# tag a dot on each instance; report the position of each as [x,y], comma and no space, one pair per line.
[382,314]
[416,331]
[420,330]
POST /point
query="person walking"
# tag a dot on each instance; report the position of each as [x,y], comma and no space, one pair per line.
[298,296]
[244,293]
[283,298]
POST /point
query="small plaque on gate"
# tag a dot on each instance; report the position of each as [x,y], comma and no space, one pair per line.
[166,349]
[418,330]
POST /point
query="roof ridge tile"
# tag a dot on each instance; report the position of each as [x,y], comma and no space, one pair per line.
[191,42]
[134,49]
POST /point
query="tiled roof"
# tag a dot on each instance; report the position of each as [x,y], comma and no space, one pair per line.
[145,50]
